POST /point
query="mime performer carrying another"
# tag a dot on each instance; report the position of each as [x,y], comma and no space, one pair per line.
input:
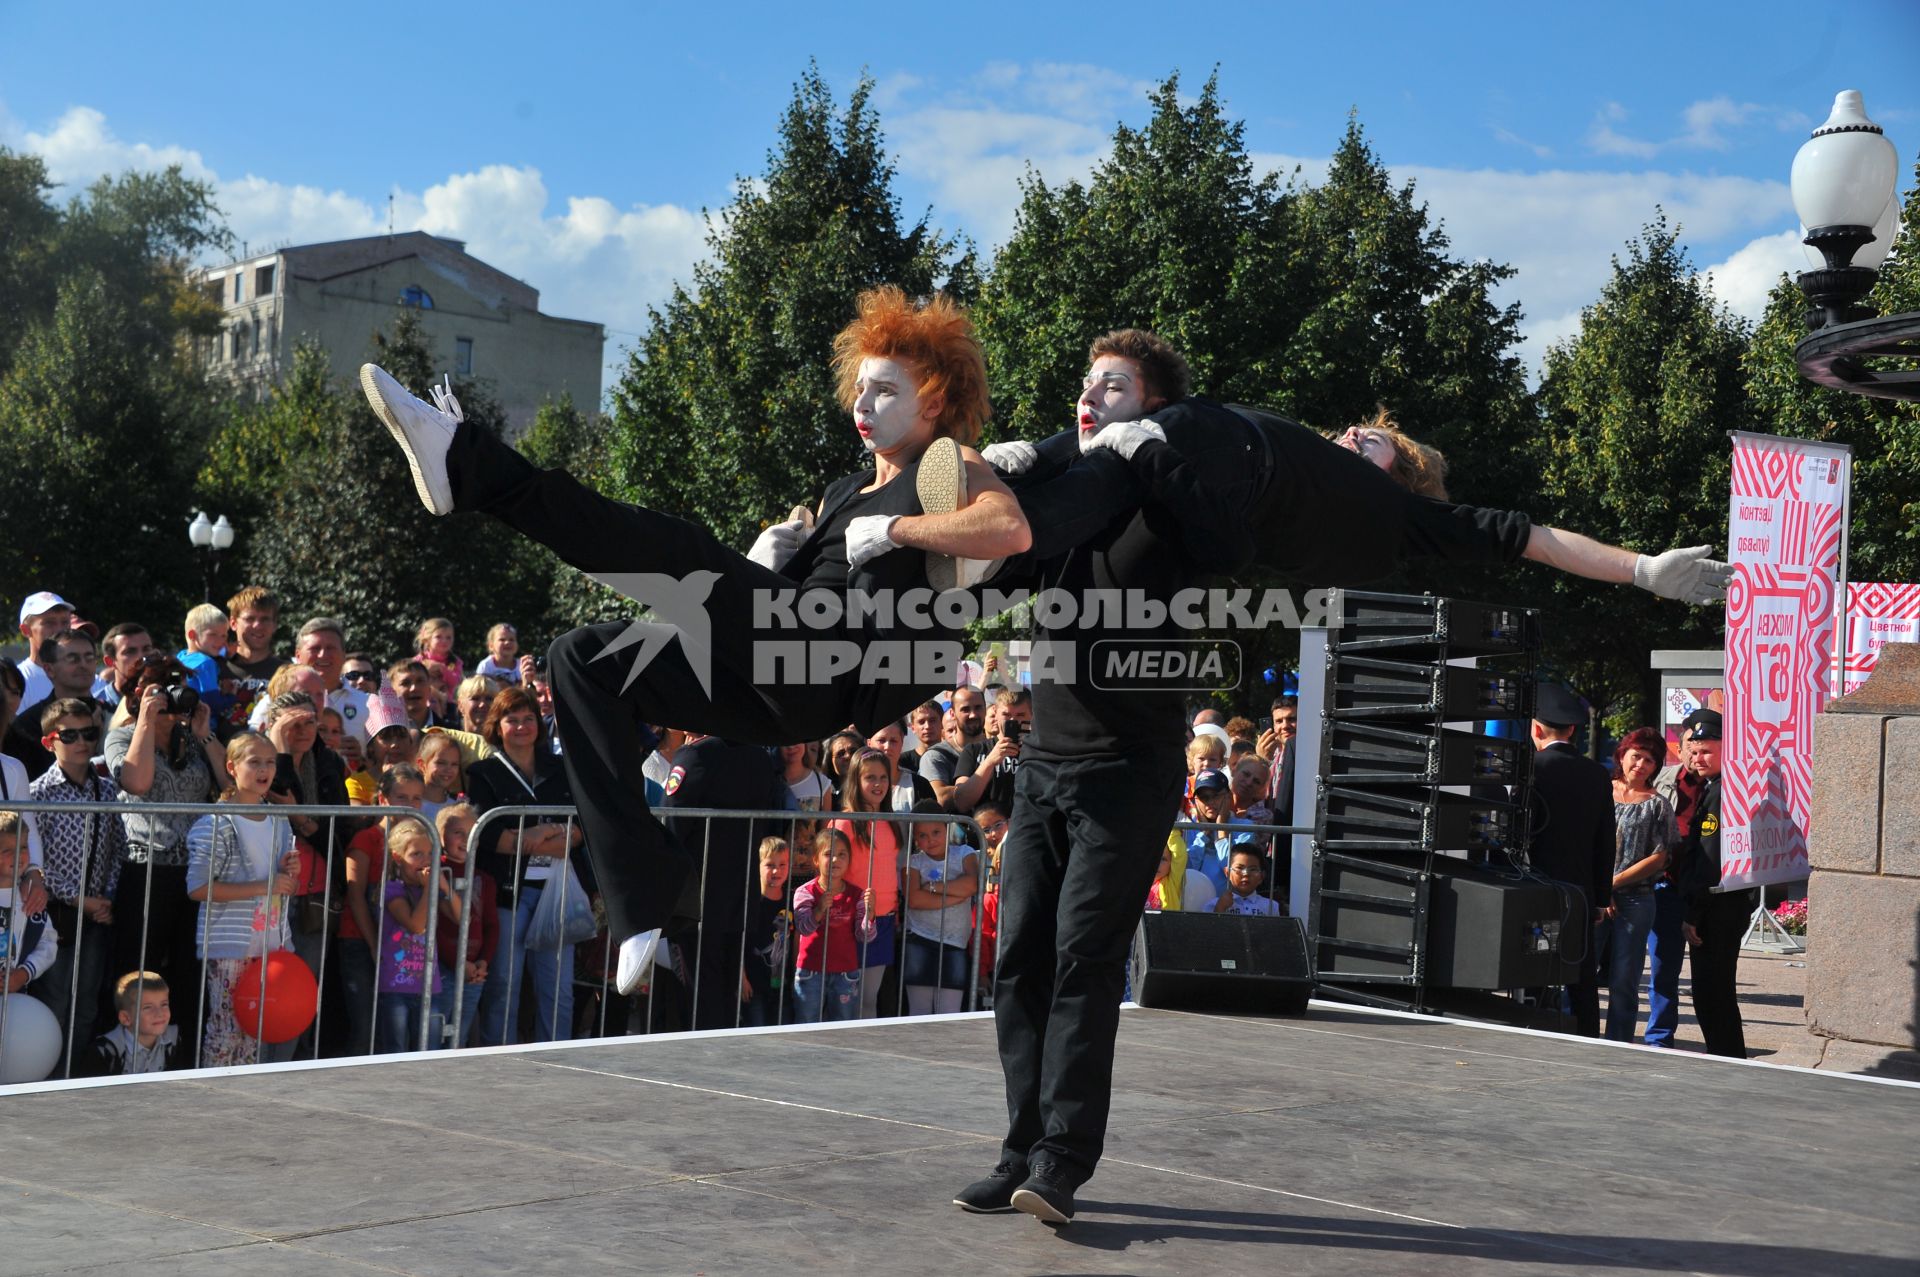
[913,376]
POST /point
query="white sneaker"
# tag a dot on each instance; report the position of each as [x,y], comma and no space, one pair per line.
[636,959]
[422,430]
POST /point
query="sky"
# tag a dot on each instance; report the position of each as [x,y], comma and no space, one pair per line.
[578,146]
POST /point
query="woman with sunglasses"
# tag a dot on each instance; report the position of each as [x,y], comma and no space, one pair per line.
[84,851]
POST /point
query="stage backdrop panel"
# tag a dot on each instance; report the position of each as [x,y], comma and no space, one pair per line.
[1784,541]
[1878,613]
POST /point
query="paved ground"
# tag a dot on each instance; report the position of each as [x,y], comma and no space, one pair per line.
[1773,992]
[1346,1142]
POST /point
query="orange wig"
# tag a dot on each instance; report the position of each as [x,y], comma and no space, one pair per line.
[936,339]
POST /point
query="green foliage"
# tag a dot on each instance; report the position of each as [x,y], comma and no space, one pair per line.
[344,534]
[96,449]
[726,412]
[564,438]
[1884,541]
[261,444]
[1320,301]
[1634,450]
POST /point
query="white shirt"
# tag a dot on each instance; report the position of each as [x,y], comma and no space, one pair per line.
[13,783]
[38,685]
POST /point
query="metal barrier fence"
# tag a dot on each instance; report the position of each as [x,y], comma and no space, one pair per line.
[1265,837]
[693,968]
[444,1016]
[277,909]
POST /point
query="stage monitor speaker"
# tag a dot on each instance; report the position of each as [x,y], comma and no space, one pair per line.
[1222,962]
[1372,688]
[1373,753]
[1487,930]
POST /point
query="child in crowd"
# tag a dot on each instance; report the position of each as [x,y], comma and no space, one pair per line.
[392,746]
[83,851]
[993,825]
[877,862]
[242,870]
[503,653]
[28,944]
[941,883]
[763,966]
[831,917]
[439,763]
[400,786]
[1205,752]
[404,968]
[433,641]
[439,692]
[455,823]
[206,628]
[146,1041]
[1247,871]
[1193,895]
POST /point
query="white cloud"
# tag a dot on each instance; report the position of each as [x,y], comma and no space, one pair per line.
[1705,126]
[1747,278]
[594,260]
[1510,138]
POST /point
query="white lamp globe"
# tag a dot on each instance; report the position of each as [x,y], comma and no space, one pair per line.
[200,531]
[222,533]
[1844,174]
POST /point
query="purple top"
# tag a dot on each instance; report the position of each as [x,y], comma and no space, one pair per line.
[403,955]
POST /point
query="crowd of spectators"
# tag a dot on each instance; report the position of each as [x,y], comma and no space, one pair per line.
[867,898]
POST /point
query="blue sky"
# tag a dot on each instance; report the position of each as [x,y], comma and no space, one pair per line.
[575,145]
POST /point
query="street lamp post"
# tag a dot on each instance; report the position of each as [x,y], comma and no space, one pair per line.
[212,539]
[1843,189]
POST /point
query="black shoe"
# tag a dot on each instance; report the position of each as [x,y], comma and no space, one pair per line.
[994,1194]
[1047,1195]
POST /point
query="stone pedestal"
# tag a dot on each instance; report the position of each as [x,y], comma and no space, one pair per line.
[1863,896]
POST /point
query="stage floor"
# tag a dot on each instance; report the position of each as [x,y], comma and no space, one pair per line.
[1347,1142]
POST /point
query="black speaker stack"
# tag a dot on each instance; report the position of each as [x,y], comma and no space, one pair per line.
[1420,829]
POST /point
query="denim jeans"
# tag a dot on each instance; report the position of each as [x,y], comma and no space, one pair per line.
[1666,947]
[1627,954]
[552,980]
[830,997]
[469,1007]
[397,1026]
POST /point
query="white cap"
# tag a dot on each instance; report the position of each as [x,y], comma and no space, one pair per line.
[44,601]
[1212,729]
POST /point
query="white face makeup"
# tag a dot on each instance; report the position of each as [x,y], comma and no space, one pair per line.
[1371,444]
[886,404]
[1113,391]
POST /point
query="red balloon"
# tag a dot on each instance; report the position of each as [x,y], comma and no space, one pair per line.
[292,997]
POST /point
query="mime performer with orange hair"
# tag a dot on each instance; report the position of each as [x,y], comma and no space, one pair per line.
[914,379]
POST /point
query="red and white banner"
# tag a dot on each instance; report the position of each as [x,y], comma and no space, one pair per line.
[1878,613]
[1783,539]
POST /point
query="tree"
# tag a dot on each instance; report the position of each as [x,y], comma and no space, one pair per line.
[1633,449]
[1884,537]
[562,437]
[344,533]
[97,446]
[726,412]
[1319,301]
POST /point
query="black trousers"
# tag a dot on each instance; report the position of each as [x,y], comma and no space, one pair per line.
[154,931]
[1075,871]
[605,710]
[1721,922]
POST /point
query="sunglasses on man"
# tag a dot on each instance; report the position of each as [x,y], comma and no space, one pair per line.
[360,676]
[68,735]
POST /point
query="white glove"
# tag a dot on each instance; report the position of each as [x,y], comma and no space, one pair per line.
[1687,575]
[869,537]
[777,544]
[1015,457]
[1125,437]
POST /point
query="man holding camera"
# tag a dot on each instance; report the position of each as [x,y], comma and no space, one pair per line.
[988,766]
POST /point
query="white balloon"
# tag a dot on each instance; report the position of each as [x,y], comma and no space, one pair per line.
[29,1040]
